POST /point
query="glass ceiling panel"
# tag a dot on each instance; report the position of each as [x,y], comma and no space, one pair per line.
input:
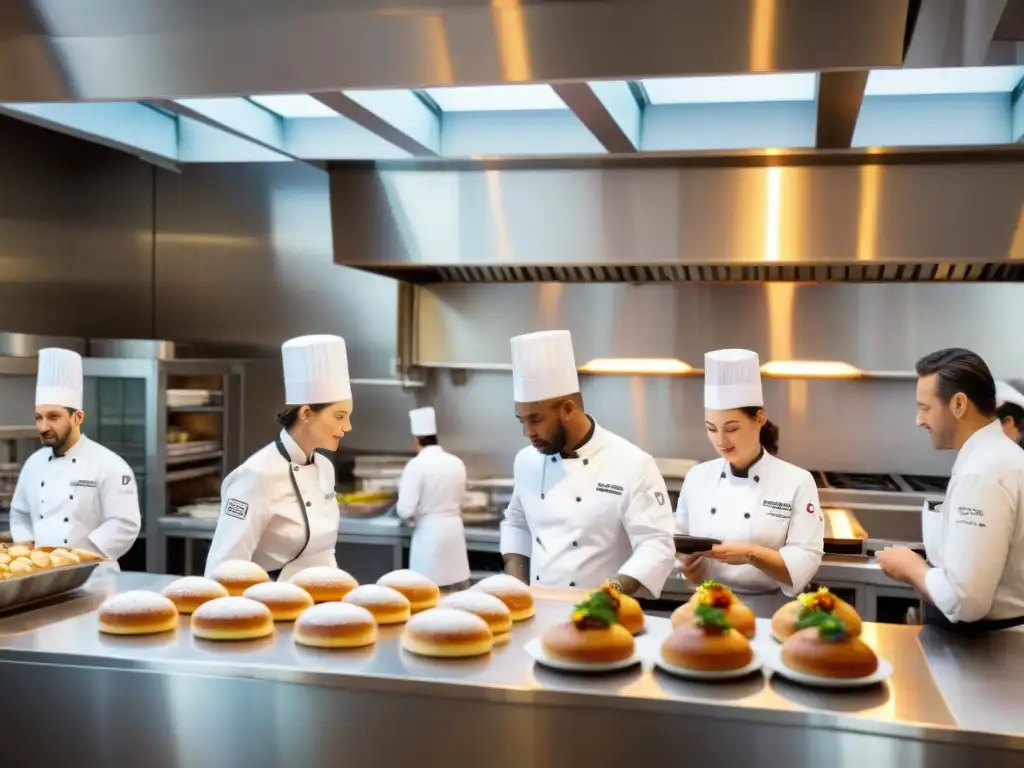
[721,89]
[929,82]
[291,105]
[496,98]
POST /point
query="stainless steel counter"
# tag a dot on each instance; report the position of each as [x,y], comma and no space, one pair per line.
[189,702]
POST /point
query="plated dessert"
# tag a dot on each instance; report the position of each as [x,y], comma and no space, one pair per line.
[826,649]
[707,644]
[447,633]
[787,620]
[512,592]
[713,594]
[420,591]
[631,615]
[593,635]
[324,583]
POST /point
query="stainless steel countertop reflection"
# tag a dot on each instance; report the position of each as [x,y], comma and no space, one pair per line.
[911,704]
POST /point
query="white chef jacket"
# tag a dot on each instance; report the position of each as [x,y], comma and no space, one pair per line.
[430,494]
[775,506]
[86,498]
[975,539]
[262,520]
[583,520]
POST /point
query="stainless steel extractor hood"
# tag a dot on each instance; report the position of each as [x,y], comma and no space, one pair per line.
[656,221]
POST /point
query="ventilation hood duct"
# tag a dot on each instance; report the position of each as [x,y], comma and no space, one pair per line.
[641,222]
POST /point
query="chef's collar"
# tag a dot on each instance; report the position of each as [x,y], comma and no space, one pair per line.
[753,472]
[587,445]
[294,452]
[70,453]
[976,441]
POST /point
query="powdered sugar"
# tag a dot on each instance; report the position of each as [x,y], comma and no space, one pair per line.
[376,596]
[228,608]
[136,602]
[239,570]
[501,584]
[404,579]
[274,591]
[475,602]
[447,621]
[195,587]
[334,615]
[323,576]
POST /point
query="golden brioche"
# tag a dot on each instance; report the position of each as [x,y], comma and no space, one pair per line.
[711,593]
[189,592]
[5,559]
[692,647]
[40,560]
[786,620]
[447,633]
[512,592]
[324,583]
[336,625]
[387,605]
[421,592]
[137,613]
[21,566]
[232,618]
[487,607]
[86,556]
[62,558]
[18,550]
[631,615]
[594,636]
[285,601]
[826,650]
[238,575]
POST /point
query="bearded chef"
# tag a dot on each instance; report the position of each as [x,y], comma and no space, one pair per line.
[973,579]
[430,495]
[587,506]
[764,510]
[279,508]
[73,492]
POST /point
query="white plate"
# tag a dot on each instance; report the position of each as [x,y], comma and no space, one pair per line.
[699,674]
[772,655]
[536,650]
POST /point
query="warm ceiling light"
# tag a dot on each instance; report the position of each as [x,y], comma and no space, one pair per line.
[637,366]
[824,369]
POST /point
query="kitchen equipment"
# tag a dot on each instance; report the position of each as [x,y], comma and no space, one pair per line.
[844,535]
[22,591]
[927,483]
[862,481]
[365,503]
[691,545]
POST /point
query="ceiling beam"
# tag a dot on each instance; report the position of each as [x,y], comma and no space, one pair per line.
[1017,114]
[596,113]
[840,95]
[957,33]
[391,116]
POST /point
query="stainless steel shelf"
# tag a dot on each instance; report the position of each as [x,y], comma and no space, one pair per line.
[193,472]
[192,458]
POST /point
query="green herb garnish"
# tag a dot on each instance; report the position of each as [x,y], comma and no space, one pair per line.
[710,618]
[711,585]
[598,610]
[829,627]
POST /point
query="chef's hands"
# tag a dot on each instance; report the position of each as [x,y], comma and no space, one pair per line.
[692,567]
[731,553]
[902,564]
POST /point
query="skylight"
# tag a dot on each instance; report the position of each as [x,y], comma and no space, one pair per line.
[721,89]
[496,98]
[291,105]
[930,82]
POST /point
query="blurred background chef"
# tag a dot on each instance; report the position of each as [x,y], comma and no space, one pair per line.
[73,492]
[587,506]
[763,509]
[1010,411]
[430,495]
[279,508]
[973,579]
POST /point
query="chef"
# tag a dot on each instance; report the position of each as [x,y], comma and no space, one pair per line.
[430,495]
[765,511]
[72,492]
[279,508]
[1010,411]
[587,506]
[973,579]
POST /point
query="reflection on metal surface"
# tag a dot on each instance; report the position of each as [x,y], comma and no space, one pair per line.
[638,366]
[810,369]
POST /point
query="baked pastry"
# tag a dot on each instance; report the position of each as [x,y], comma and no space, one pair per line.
[421,592]
[5,559]
[826,649]
[631,615]
[18,550]
[86,556]
[232,618]
[40,559]
[593,636]
[708,643]
[387,605]
[336,625]
[787,620]
[285,601]
[189,592]
[447,633]
[137,613]
[487,607]
[62,558]
[324,583]
[739,616]
[21,566]
[512,592]
[238,575]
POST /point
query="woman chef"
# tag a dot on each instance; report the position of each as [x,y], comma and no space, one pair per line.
[764,510]
[279,509]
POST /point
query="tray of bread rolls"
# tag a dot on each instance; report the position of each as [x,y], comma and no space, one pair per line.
[30,575]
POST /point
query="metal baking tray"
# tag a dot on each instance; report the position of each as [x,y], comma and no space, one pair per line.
[22,591]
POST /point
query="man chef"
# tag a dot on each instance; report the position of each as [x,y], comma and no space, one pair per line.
[430,495]
[587,506]
[973,580]
[72,492]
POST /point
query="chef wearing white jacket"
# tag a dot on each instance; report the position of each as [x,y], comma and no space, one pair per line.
[279,508]
[73,492]
[430,495]
[973,579]
[587,506]
[764,510]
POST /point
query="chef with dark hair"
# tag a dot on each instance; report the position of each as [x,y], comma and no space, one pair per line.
[1010,411]
[973,579]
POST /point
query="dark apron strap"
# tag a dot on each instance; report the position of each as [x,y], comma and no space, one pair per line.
[302,505]
[933,617]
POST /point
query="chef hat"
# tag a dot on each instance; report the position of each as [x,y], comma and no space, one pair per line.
[543,366]
[732,379]
[59,380]
[1007,393]
[315,370]
[423,422]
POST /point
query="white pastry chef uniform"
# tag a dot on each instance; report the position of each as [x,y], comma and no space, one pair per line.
[279,508]
[85,498]
[597,512]
[974,539]
[774,504]
[430,495]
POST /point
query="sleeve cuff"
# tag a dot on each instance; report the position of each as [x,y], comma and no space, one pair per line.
[941,592]
[515,540]
[650,568]
[802,565]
